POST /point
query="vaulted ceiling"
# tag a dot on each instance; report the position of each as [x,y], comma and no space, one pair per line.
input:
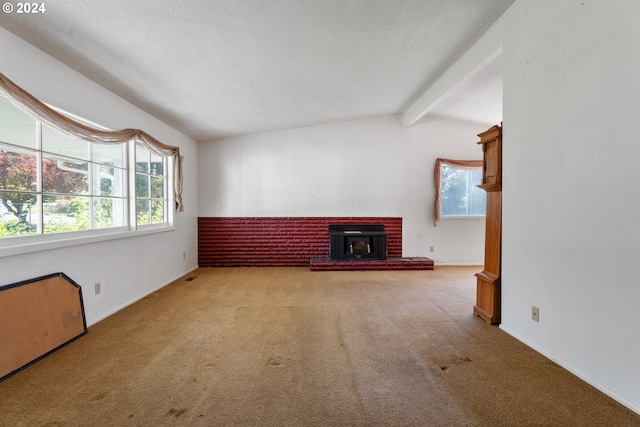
[227,67]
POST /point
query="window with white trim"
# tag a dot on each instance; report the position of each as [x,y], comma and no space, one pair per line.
[151,187]
[53,183]
[460,196]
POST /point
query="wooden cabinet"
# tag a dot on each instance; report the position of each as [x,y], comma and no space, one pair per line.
[488,285]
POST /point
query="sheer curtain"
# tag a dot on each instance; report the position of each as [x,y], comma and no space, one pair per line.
[32,106]
[437,179]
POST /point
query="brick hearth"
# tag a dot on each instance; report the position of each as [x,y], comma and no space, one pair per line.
[325,264]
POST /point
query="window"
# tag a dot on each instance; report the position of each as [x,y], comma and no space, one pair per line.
[52,183]
[460,195]
[151,187]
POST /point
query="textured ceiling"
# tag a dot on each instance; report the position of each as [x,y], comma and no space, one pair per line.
[227,67]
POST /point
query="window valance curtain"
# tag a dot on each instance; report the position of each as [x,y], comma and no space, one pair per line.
[437,179]
[34,107]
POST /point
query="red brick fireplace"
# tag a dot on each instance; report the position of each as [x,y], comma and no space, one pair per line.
[278,241]
[294,241]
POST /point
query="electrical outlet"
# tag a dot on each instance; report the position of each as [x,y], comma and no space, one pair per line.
[535,313]
[97,287]
[184,255]
[431,249]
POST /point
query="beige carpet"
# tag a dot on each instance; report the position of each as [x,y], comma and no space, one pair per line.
[291,347]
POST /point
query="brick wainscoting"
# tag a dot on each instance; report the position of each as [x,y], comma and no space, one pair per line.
[278,241]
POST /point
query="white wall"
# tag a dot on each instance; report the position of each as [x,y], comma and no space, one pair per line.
[128,268]
[370,167]
[571,232]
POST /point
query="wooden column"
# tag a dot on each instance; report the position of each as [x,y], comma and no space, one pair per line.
[488,286]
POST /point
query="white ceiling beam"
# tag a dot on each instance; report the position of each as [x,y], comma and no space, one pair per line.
[485,49]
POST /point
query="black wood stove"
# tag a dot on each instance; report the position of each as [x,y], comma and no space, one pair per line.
[357,241]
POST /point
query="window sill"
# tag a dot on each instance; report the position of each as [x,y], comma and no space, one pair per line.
[482,217]
[37,244]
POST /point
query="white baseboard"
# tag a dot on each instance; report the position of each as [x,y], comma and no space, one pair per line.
[576,372]
[138,298]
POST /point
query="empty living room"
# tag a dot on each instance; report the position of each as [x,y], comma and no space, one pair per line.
[319,213]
